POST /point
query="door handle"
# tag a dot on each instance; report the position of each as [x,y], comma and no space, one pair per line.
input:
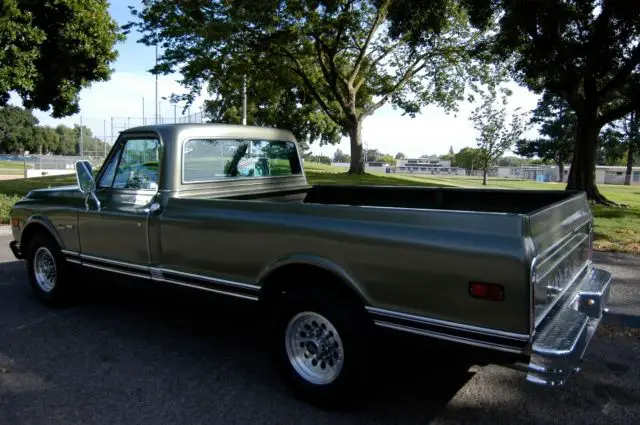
[154,208]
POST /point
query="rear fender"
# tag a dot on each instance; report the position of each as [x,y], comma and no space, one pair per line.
[315,261]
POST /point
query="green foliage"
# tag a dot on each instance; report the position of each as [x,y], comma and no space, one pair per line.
[318,68]
[467,158]
[400,155]
[16,129]
[339,156]
[389,159]
[510,161]
[19,131]
[611,148]
[558,126]
[585,52]
[495,135]
[51,49]
[322,159]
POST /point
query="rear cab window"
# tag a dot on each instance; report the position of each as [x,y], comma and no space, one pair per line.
[206,160]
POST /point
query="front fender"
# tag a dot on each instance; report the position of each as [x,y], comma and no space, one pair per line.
[39,221]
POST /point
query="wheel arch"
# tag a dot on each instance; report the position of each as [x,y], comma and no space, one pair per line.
[319,273]
[38,225]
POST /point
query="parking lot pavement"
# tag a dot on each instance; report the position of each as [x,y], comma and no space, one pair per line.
[133,356]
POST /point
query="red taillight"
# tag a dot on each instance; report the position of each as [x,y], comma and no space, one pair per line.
[486,291]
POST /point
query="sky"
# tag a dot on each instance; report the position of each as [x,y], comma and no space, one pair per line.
[131,90]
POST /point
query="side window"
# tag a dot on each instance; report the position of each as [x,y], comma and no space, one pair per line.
[139,165]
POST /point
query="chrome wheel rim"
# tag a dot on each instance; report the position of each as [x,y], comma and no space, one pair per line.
[45,269]
[314,348]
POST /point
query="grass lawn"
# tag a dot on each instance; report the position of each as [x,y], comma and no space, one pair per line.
[12,168]
[616,229]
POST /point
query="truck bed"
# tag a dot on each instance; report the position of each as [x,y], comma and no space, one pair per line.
[455,199]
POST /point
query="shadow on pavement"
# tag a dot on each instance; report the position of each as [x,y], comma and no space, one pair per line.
[132,353]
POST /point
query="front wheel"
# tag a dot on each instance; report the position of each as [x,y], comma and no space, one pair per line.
[319,347]
[47,271]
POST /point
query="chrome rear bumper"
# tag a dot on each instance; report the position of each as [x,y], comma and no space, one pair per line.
[561,340]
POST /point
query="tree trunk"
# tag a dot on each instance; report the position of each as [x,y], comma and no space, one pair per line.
[484,176]
[357,159]
[560,171]
[627,177]
[582,175]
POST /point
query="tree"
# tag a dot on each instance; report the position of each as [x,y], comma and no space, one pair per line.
[400,155]
[510,161]
[611,147]
[16,129]
[631,128]
[466,158]
[278,104]
[305,149]
[495,136]
[373,155]
[340,156]
[558,126]
[51,49]
[338,55]
[389,159]
[583,51]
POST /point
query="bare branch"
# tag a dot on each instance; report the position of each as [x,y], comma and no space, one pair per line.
[380,16]
[624,73]
[330,75]
[298,69]
[410,73]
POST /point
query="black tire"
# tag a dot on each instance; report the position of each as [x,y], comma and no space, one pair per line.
[60,294]
[353,328]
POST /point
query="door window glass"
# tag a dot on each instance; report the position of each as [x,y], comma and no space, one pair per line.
[110,168]
[139,165]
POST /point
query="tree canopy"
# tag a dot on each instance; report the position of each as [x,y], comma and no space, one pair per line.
[586,52]
[558,126]
[325,65]
[51,49]
[20,131]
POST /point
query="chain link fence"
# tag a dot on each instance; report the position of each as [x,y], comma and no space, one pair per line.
[106,130]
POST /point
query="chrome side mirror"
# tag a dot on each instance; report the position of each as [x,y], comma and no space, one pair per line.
[86,182]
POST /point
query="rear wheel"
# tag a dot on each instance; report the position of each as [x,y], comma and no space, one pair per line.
[319,346]
[47,271]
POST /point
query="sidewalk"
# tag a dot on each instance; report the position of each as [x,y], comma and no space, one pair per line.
[5,230]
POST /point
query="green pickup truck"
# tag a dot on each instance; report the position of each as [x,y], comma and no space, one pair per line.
[227,209]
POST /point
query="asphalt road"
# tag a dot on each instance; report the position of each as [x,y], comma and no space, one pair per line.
[133,356]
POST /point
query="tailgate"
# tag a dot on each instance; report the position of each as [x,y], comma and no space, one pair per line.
[562,240]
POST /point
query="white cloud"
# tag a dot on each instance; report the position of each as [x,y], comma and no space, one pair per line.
[431,132]
[121,98]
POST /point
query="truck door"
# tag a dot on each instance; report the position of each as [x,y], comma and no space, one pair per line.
[114,234]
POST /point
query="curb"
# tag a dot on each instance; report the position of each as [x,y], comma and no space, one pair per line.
[623,320]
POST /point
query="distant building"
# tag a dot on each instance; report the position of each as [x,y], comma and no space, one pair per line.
[605,174]
[426,166]
[410,163]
